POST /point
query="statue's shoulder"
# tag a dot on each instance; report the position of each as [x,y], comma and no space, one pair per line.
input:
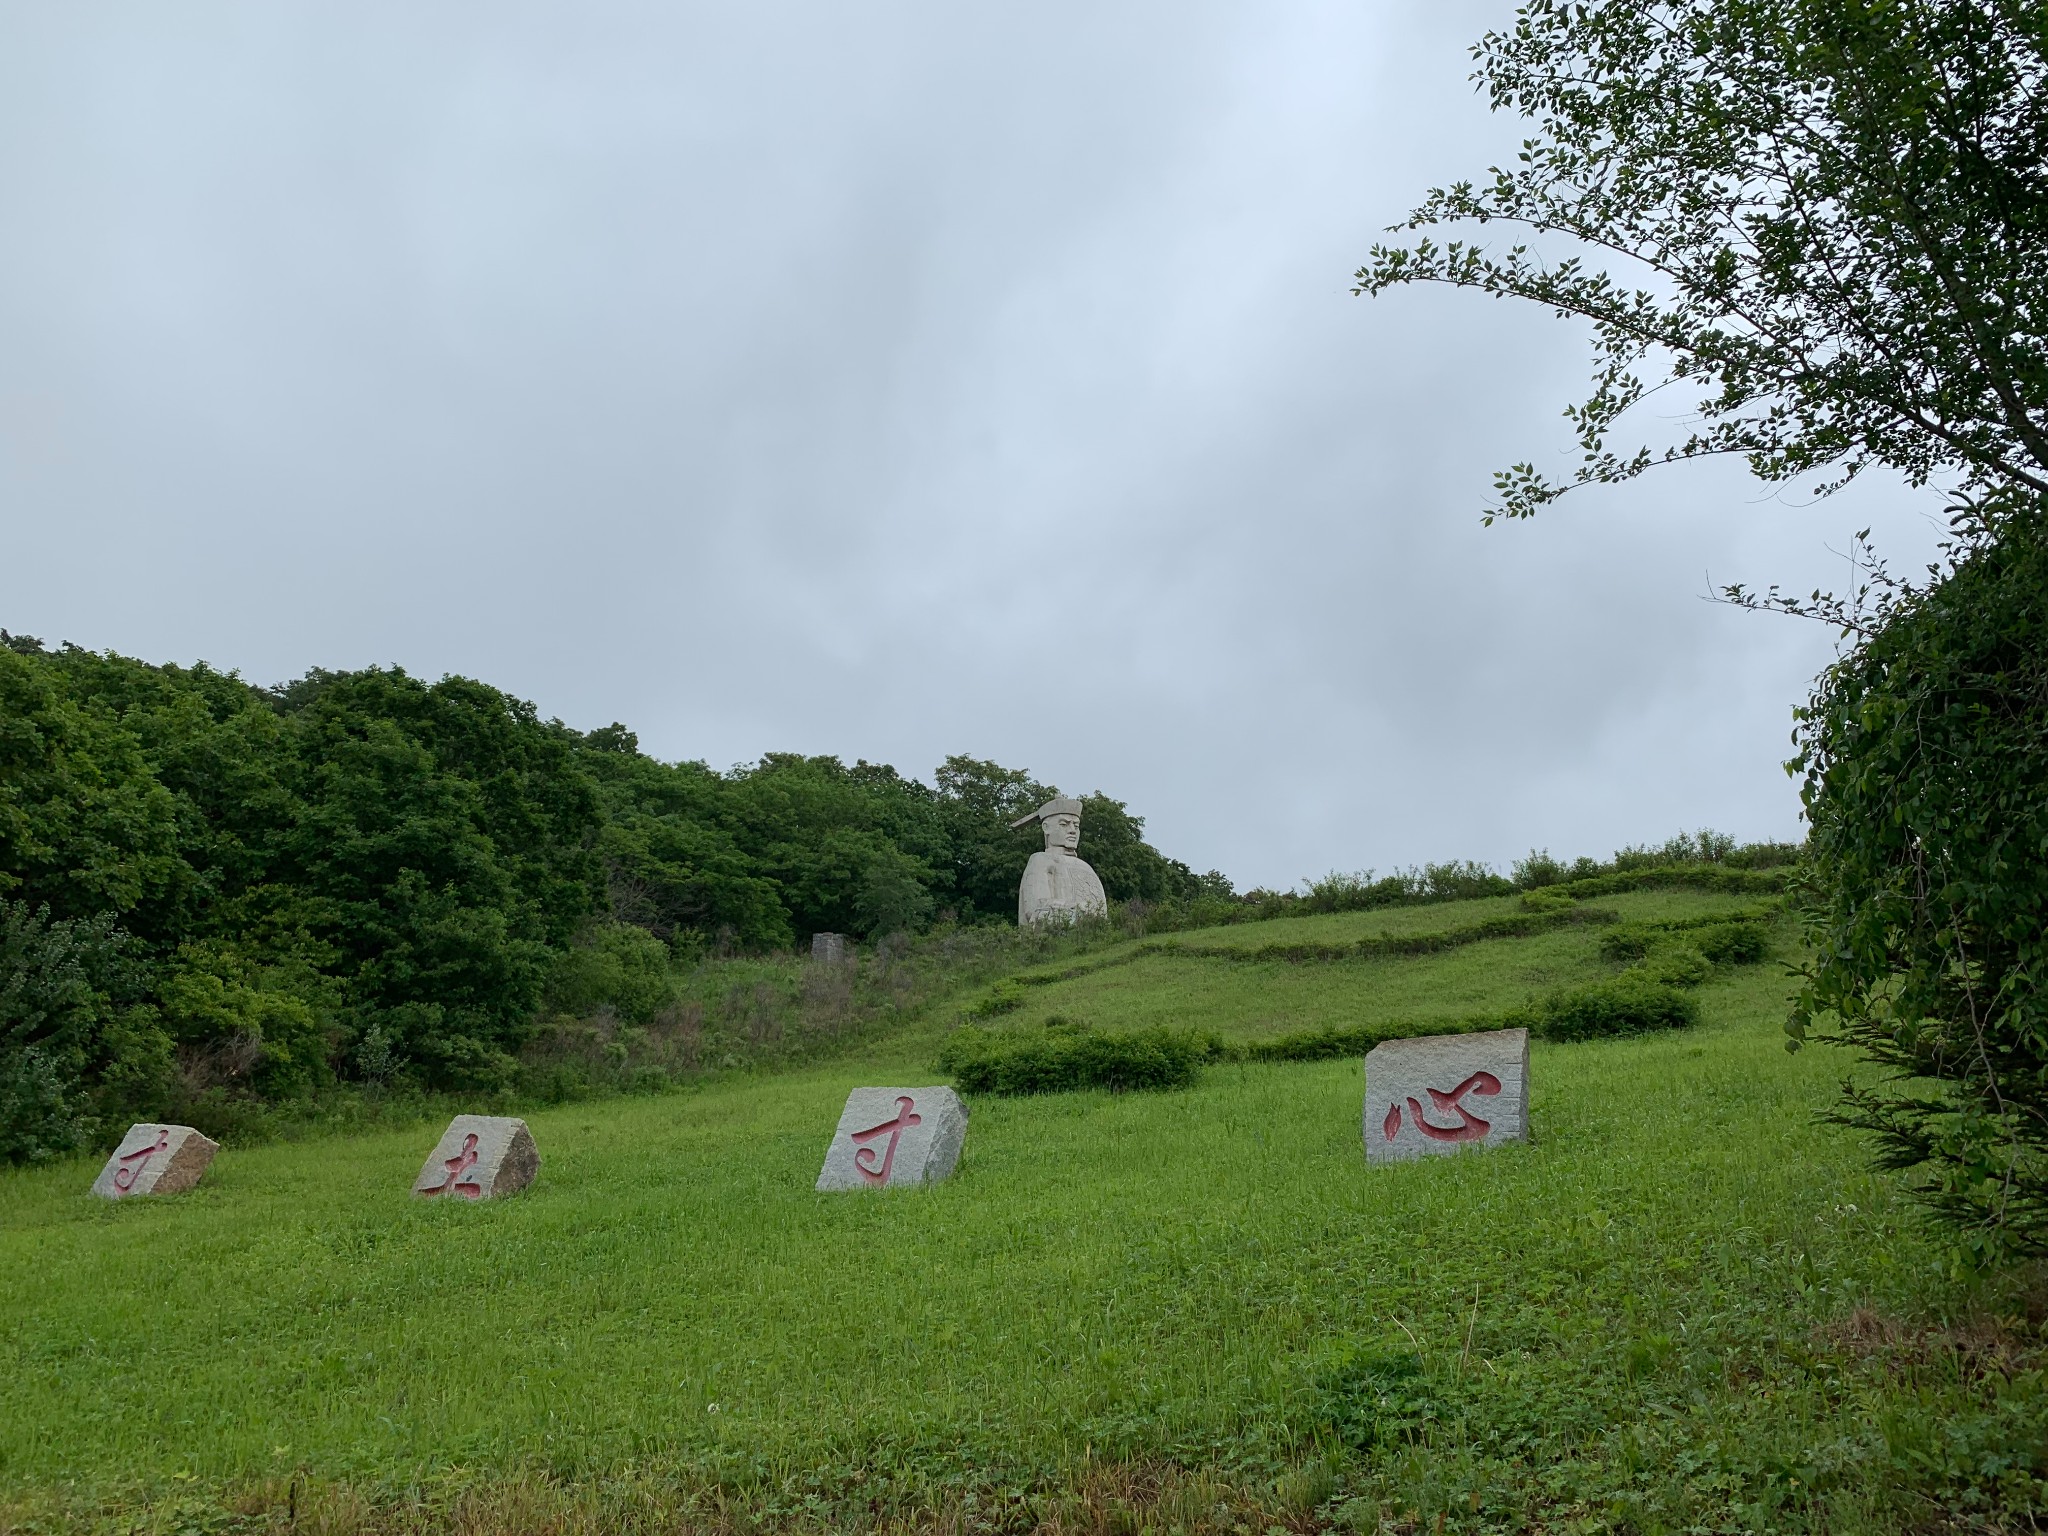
[1090,881]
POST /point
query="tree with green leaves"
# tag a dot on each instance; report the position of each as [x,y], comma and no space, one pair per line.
[1827,222]
[212,892]
[1823,226]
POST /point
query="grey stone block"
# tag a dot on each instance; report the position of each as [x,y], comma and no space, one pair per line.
[1443,1093]
[889,1137]
[831,948]
[155,1160]
[479,1156]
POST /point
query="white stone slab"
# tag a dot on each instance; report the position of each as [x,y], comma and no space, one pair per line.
[889,1137]
[1443,1093]
[155,1160]
[831,948]
[479,1156]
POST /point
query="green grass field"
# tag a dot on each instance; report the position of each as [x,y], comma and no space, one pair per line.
[1686,1306]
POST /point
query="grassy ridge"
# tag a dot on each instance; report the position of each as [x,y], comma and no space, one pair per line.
[1657,1315]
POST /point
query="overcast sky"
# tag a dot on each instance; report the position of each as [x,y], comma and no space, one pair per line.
[887,380]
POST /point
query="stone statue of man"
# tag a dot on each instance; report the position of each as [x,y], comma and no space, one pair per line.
[1058,886]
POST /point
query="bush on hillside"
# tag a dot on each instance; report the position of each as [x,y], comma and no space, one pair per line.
[1063,1057]
[1925,753]
[73,1047]
[1006,996]
[1627,941]
[1632,1003]
[1723,941]
[1732,943]
[362,877]
[1676,964]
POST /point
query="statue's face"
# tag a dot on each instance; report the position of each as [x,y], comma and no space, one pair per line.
[1062,833]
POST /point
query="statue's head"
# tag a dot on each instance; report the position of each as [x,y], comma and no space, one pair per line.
[1062,832]
[1060,820]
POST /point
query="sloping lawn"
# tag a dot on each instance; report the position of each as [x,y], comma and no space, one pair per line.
[1686,1306]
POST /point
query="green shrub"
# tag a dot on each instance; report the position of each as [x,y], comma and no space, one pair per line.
[1676,965]
[74,1051]
[1064,1057]
[612,967]
[1925,752]
[1629,941]
[1631,1004]
[1733,943]
[1006,996]
[1317,1044]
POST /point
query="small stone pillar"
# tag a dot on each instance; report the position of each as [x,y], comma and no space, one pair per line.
[831,948]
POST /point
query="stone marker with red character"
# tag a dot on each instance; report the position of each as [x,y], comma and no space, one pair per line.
[889,1137]
[1442,1093]
[479,1156]
[155,1160]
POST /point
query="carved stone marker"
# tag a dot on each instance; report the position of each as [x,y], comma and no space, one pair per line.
[1058,885]
[895,1136]
[480,1156]
[831,948]
[1441,1093]
[155,1160]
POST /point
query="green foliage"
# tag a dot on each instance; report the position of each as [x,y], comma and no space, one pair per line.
[1334,1041]
[1062,1057]
[71,1041]
[1122,1308]
[1724,941]
[1925,755]
[1006,996]
[1360,892]
[1627,941]
[1373,1397]
[1678,964]
[1698,861]
[84,827]
[1132,870]
[615,968]
[362,877]
[1561,914]
[1732,943]
[1832,212]
[1633,1003]
[264,1024]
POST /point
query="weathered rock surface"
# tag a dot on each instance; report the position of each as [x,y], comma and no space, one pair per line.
[1443,1093]
[155,1160]
[889,1137]
[480,1156]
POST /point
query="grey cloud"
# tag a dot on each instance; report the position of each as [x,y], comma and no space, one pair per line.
[888,381]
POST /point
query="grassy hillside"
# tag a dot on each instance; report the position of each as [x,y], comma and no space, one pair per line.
[1197,980]
[1686,1306]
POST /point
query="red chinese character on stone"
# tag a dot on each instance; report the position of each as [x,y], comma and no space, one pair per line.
[1471,1128]
[457,1166]
[864,1157]
[133,1164]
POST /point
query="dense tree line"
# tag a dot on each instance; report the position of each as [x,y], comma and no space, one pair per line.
[362,875]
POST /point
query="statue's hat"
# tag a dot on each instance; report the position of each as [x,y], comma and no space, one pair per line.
[1059,805]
